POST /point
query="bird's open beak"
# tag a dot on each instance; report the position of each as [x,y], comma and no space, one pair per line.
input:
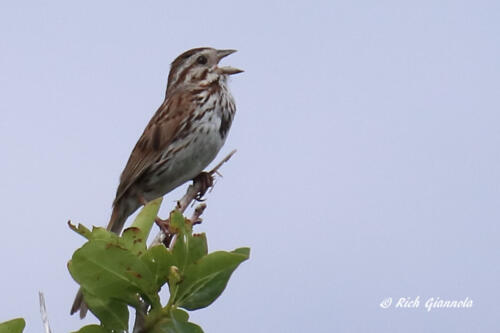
[228,70]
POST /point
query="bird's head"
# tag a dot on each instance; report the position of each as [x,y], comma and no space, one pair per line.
[200,65]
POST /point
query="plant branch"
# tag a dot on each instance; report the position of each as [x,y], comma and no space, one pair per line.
[190,196]
[194,191]
[197,186]
[43,312]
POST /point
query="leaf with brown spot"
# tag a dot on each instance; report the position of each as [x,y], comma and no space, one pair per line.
[112,271]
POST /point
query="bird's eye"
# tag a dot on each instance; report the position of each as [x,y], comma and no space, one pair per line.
[202,60]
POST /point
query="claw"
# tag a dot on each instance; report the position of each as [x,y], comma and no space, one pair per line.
[206,180]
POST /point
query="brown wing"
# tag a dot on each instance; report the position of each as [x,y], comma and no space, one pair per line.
[158,134]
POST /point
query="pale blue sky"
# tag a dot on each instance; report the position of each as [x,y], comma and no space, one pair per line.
[368,161]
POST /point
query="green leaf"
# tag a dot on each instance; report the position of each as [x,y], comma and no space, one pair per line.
[202,277]
[176,323]
[179,315]
[172,326]
[159,260]
[206,279]
[103,234]
[178,223]
[96,233]
[243,251]
[92,329]
[146,217]
[107,269]
[188,248]
[80,229]
[197,247]
[13,326]
[185,327]
[133,239]
[113,314]
[180,250]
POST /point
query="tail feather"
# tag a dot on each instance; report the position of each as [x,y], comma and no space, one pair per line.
[118,218]
[79,305]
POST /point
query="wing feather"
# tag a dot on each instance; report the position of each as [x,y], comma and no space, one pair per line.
[161,130]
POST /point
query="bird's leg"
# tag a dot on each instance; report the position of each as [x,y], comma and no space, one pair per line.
[206,179]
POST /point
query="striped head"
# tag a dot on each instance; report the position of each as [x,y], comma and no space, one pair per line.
[199,66]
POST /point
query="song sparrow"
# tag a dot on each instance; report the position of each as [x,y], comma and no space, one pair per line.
[181,139]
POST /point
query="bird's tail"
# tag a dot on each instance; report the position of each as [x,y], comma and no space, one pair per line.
[116,223]
[118,217]
[79,305]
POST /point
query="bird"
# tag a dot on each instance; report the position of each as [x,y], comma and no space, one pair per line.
[181,139]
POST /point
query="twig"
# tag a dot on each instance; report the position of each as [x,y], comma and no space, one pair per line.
[43,312]
[161,238]
[189,197]
[196,187]
[195,218]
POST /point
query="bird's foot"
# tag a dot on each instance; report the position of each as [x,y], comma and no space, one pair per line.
[206,179]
